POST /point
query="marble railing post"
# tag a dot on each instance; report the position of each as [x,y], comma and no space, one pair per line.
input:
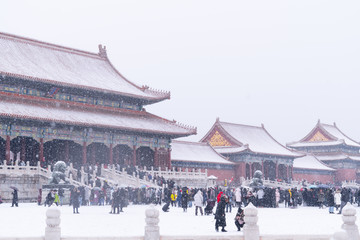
[349,218]
[340,236]
[52,230]
[251,229]
[152,230]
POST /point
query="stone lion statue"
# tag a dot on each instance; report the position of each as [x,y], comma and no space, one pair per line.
[257,179]
[58,173]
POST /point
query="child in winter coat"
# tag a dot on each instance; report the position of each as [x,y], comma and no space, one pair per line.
[239,219]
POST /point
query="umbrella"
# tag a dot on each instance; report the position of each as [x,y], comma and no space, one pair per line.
[15,188]
[313,186]
[323,186]
[97,189]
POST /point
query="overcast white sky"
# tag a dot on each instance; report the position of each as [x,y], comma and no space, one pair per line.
[282,63]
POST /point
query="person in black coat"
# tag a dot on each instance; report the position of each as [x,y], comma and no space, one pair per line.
[75,195]
[345,198]
[330,200]
[184,200]
[15,198]
[220,214]
[115,202]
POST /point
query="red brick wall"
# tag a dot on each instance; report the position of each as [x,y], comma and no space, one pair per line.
[221,174]
[313,177]
[345,174]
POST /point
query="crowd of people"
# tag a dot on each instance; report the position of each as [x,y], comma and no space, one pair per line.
[225,199]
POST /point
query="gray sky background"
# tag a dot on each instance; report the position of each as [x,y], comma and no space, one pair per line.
[282,63]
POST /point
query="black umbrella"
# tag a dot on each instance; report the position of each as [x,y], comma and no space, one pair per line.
[15,188]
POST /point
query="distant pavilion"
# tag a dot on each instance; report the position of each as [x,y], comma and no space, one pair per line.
[251,148]
[334,148]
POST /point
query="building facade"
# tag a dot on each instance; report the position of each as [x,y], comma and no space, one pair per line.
[59,103]
[332,147]
[251,148]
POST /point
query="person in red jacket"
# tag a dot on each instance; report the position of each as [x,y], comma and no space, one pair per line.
[219,196]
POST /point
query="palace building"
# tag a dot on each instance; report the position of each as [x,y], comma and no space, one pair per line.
[332,147]
[251,148]
[198,155]
[60,103]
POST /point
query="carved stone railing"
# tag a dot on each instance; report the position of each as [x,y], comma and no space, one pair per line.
[276,184]
[25,170]
[350,184]
[180,174]
[122,178]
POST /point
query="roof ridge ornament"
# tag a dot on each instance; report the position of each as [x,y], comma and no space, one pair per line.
[102,51]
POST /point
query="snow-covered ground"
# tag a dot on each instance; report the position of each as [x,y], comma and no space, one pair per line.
[28,220]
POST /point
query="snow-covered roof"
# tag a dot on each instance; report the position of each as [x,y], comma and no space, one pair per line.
[257,139]
[195,152]
[334,131]
[315,143]
[53,111]
[39,61]
[310,162]
[335,135]
[337,156]
[230,149]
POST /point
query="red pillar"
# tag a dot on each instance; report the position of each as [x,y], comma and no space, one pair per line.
[84,152]
[111,154]
[287,172]
[156,159]
[134,155]
[262,167]
[276,170]
[169,159]
[67,151]
[41,150]
[23,148]
[93,156]
[251,170]
[7,149]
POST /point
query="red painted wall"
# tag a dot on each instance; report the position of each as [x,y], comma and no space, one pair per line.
[345,174]
[313,177]
[221,174]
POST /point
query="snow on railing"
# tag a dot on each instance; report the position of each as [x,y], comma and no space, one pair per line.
[24,169]
[180,174]
[350,184]
[122,178]
[276,184]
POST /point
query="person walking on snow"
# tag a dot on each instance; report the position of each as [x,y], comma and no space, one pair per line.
[220,215]
[198,202]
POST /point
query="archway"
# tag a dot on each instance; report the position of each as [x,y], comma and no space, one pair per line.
[247,171]
[269,170]
[145,157]
[54,151]
[255,166]
[282,172]
[75,154]
[25,149]
[2,150]
[97,153]
[123,155]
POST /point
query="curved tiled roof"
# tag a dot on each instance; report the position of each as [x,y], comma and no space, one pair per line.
[43,62]
[195,152]
[257,139]
[27,108]
[332,131]
[310,162]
